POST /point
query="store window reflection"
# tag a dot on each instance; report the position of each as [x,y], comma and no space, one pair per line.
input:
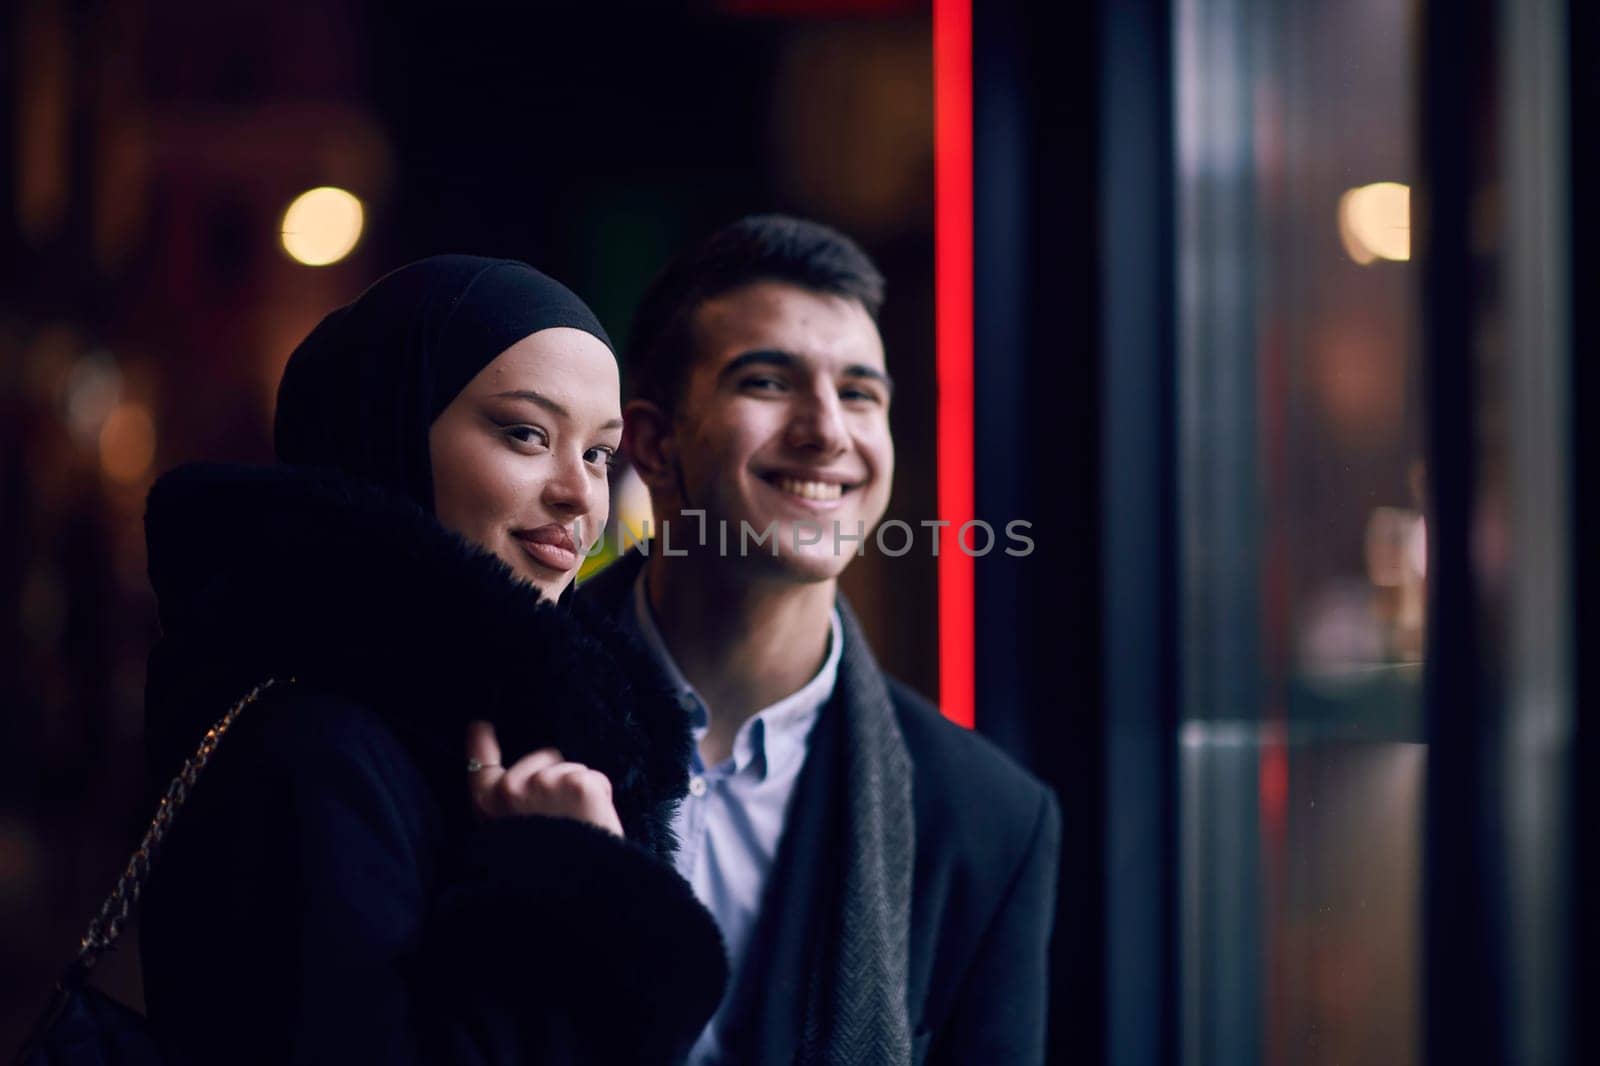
[1304,546]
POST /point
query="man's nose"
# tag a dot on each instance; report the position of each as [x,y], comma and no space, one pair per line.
[817,423]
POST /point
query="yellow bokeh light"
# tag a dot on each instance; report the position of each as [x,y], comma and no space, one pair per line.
[1375,222]
[128,443]
[322,226]
[631,510]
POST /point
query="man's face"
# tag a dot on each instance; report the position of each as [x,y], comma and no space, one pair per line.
[784,424]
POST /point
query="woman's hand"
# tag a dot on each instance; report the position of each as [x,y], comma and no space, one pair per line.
[538,783]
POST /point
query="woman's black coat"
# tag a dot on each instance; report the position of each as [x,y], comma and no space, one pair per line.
[327,896]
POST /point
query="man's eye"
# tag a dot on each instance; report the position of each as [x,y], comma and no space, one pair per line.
[763,384]
[866,395]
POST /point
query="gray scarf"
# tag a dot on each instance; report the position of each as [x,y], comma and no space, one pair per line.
[856,996]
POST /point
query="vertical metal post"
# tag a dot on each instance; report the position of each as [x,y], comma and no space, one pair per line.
[1216,66]
[1463,972]
[1535,378]
[1138,540]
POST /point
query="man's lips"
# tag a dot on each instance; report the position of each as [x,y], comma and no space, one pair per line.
[550,546]
[811,487]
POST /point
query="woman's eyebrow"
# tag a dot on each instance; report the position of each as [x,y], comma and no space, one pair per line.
[535,398]
[550,405]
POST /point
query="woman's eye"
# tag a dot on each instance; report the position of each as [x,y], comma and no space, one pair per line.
[527,435]
[605,458]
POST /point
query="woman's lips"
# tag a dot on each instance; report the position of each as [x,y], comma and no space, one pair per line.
[550,546]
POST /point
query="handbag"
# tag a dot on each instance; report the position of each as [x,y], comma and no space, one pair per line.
[82,1026]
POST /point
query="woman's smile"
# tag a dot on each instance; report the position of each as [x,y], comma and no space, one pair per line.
[549,546]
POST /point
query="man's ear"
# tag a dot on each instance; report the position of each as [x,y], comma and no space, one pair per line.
[647,440]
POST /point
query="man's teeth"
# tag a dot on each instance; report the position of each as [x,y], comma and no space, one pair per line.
[811,490]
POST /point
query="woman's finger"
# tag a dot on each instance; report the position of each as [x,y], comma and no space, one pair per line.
[575,791]
[482,745]
[525,768]
[550,779]
[483,764]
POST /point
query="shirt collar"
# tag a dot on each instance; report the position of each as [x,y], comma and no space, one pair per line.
[775,736]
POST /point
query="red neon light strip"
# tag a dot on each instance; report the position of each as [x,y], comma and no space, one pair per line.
[952,269]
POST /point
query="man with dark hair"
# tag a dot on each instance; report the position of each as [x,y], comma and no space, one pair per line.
[884,880]
[759,247]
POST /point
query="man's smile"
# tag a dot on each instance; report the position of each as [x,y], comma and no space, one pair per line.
[812,489]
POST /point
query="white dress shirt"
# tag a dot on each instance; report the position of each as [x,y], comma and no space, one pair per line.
[729,825]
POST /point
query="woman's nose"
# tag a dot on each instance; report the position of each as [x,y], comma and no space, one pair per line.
[570,488]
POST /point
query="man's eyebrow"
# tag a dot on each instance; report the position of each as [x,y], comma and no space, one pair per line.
[772,357]
[859,370]
[782,360]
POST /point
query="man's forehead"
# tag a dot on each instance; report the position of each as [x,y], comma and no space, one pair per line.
[785,317]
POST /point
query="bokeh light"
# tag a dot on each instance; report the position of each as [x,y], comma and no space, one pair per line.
[128,443]
[94,388]
[322,226]
[1375,222]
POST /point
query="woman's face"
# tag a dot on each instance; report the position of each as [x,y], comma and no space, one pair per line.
[521,455]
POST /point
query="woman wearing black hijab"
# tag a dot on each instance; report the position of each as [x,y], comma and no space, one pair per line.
[345,884]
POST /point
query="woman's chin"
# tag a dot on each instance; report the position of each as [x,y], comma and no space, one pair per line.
[550,586]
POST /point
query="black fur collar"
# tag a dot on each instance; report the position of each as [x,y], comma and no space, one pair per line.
[275,571]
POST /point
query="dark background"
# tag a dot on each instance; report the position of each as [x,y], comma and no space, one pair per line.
[146,310]
[152,148]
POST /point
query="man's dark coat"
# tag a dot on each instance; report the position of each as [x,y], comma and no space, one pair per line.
[982,890]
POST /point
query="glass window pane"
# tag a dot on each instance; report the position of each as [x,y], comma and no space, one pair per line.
[1303,558]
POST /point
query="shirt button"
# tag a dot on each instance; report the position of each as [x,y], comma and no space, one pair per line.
[697,785]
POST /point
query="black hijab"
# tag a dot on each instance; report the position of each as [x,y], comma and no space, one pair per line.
[360,392]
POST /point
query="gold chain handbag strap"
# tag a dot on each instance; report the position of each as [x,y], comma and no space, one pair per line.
[107,925]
